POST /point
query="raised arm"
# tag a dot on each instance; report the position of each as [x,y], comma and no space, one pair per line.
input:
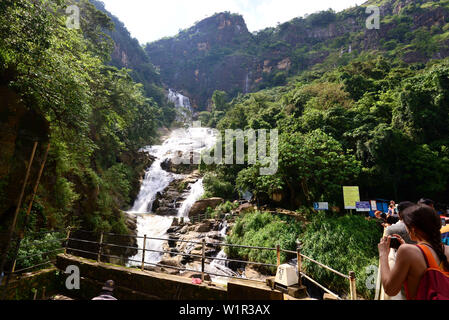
[393,279]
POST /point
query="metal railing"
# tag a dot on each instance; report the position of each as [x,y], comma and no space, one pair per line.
[203,257]
[204,216]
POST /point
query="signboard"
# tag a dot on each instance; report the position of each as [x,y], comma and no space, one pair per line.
[373,205]
[351,197]
[321,206]
[363,206]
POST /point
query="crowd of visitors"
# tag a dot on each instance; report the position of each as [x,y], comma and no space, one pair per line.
[414,252]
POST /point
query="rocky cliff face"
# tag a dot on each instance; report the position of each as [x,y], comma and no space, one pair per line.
[219,53]
[204,57]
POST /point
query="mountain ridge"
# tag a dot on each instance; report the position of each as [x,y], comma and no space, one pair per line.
[219,53]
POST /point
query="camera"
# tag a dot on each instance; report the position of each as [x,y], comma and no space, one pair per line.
[395,243]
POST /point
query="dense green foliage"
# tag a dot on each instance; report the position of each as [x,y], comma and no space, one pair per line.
[263,230]
[347,243]
[94,115]
[36,249]
[376,123]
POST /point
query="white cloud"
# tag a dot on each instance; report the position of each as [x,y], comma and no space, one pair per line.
[150,20]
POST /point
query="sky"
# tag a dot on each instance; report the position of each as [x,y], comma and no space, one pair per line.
[151,20]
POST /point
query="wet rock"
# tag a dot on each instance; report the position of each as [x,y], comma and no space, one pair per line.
[244,208]
[201,206]
[252,273]
[196,275]
[204,226]
[157,201]
[171,261]
[216,235]
[164,211]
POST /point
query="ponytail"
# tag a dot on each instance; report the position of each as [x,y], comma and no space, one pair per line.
[439,248]
[425,219]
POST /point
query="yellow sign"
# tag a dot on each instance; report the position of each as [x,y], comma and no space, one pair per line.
[351,197]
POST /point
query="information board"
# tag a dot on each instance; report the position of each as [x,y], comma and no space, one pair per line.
[321,205]
[351,197]
[363,206]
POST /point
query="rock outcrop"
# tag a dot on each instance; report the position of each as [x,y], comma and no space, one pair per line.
[201,206]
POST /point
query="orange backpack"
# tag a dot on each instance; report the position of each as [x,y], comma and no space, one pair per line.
[434,284]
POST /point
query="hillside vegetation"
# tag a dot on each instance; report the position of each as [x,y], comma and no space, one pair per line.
[58,87]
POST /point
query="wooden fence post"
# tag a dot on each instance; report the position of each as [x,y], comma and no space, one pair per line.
[352,282]
[203,253]
[143,252]
[99,249]
[298,255]
[67,240]
[278,252]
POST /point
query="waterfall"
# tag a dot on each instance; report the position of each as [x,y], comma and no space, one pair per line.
[180,141]
[196,192]
[182,104]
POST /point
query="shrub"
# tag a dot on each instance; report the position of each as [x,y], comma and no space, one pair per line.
[263,230]
[216,187]
[34,249]
[345,244]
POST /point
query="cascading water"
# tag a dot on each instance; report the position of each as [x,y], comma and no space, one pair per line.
[195,193]
[182,104]
[180,141]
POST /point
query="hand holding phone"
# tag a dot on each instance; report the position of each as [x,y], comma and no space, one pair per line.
[396,241]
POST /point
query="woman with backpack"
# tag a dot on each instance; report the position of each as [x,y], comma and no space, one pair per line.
[422,269]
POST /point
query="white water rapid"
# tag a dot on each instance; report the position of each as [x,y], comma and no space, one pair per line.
[157,180]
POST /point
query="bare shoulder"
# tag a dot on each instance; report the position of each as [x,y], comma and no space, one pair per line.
[408,249]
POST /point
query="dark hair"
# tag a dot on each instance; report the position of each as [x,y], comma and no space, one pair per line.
[404,205]
[427,202]
[426,219]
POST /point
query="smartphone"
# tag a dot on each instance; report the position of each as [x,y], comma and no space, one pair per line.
[394,243]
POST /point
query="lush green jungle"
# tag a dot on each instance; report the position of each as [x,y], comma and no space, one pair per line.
[368,108]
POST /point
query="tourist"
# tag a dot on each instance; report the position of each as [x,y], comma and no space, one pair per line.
[107,291]
[445,235]
[393,216]
[399,228]
[381,219]
[423,225]
[427,202]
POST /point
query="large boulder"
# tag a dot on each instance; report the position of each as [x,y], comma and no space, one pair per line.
[164,211]
[246,207]
[201,206]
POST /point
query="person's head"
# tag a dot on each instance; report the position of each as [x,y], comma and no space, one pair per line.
[377,214]
[402,206]
[108,286]
[391,206]
[427,202]
[392,203]
[424,224]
